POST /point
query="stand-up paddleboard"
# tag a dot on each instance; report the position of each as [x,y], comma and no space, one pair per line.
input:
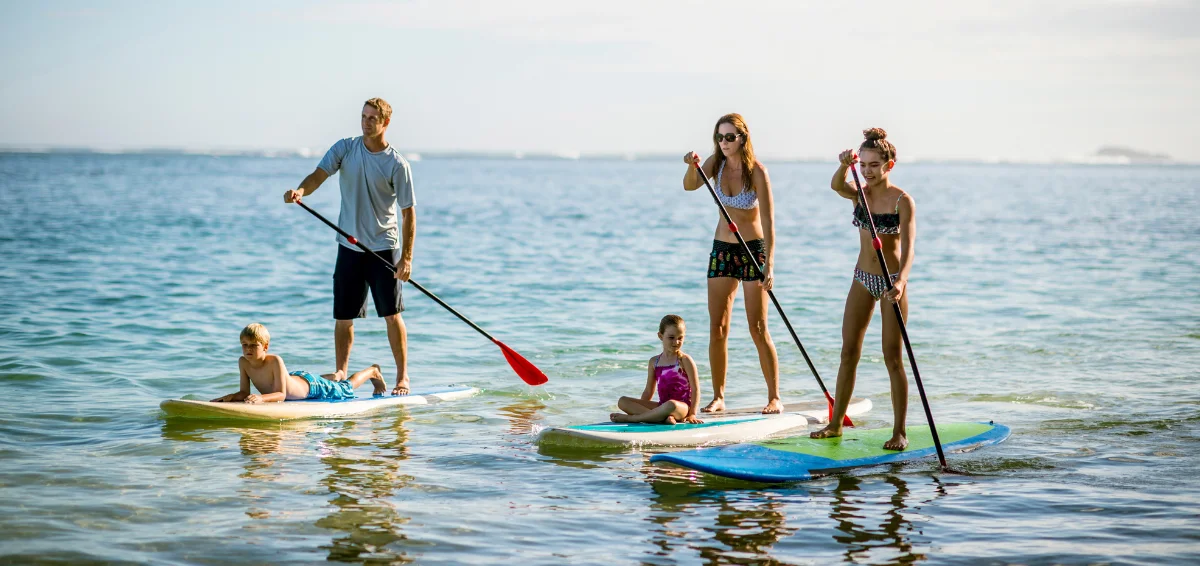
[737,425]
[801,458]
[307,409]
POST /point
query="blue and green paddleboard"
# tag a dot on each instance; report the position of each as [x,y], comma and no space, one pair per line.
[801,458]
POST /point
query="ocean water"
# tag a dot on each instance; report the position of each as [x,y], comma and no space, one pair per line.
[1059,300]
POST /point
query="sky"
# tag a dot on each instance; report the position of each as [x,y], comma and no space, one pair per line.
[1003,80]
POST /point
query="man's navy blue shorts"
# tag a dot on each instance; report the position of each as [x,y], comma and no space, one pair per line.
[354,273]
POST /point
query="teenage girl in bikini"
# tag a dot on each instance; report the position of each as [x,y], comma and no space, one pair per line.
[745,190]
[673,373]
[895,218]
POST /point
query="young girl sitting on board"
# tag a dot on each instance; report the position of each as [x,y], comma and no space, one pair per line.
[673,373]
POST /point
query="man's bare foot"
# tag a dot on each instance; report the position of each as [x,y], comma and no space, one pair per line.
[618,417]
[671,420]
[774,407]
[715,406]
[337,375]
[827,432]
[401,387]
[898,442]
[377,380]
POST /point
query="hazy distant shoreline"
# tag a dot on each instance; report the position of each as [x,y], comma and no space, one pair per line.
[1104,156]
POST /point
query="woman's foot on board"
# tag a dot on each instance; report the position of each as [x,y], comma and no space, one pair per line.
[715,406]
[401,387]
[618,417]
[827,432]
[774,407]
[898,442]
[377,380]
[671,420]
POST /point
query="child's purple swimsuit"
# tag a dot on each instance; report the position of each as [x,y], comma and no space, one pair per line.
[672,383]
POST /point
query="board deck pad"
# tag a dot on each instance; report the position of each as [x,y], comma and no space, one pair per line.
[309,408]
[738,425]
[801,458]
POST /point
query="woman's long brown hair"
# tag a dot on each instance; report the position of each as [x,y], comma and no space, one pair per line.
[748,160]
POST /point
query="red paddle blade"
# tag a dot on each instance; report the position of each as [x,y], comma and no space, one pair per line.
[845,418]
[528,372]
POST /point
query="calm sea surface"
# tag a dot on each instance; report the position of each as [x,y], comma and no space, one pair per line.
[1061,301]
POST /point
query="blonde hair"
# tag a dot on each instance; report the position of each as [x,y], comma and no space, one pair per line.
[385,109]
[670,320]
[876,139]
[257,333]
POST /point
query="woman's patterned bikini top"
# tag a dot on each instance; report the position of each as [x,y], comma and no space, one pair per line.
[744,200]
[886,223]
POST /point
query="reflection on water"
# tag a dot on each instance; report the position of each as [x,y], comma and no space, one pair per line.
[364,461]
[739,528]
[522,416]
[855,510]
[730,521]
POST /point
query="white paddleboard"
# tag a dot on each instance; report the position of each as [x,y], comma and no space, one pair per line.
[737,425]
[306,409]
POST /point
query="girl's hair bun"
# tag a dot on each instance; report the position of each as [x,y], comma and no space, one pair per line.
[875,134]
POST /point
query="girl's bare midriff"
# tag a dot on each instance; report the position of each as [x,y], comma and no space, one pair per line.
[867,259]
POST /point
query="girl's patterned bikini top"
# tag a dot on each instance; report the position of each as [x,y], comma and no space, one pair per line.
[744,200]
[886,223]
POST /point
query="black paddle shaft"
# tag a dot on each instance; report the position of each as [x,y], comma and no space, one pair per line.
[360,245]
[887,279]
[761,274]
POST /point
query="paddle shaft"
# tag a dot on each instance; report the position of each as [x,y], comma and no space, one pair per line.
[733,228]
[887,279]
[360,245]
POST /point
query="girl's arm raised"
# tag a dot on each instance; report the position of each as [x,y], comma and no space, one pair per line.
[840,184]
[689,366]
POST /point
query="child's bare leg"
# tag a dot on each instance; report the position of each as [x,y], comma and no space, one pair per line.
[670,410]
[860,306]
[893,358]
[373,373]
[632,406]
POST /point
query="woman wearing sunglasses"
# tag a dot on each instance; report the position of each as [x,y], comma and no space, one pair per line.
[743,187]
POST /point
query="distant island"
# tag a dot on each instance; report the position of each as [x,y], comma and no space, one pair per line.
[1116,154]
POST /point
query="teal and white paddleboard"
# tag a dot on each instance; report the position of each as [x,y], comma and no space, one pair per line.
[306,409]
[738,425]
[801,458]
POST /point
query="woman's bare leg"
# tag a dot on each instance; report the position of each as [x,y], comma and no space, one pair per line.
[768,358]
[721,291]
[860,306]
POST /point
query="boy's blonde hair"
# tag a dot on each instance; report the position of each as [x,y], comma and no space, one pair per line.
[257,333]
[385,109]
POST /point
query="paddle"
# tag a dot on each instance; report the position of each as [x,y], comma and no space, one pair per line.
[733,228]
[525,370]
[887,279]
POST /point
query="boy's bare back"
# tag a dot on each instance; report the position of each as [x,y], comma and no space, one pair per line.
[269,376]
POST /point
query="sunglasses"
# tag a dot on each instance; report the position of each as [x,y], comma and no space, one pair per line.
[727,137]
